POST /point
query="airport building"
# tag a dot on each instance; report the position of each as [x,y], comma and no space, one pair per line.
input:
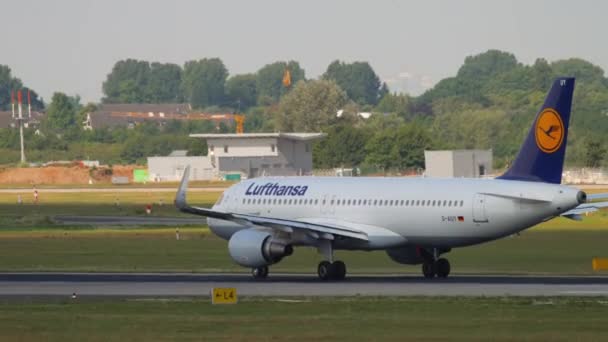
[171,167]
[239,156]
[458,163]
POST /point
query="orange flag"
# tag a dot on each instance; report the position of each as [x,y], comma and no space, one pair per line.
[287,78]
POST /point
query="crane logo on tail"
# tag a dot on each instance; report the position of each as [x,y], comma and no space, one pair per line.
[549,131]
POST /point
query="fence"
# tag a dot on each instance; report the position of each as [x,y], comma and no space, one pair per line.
[585,176]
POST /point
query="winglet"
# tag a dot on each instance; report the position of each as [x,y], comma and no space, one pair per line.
[180,197]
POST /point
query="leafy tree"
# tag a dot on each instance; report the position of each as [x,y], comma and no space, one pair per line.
[133,149]
[9,83]
[61,113]
[258,119]
[395,103]
[380,151]
[197,147]
[410,142]
[164,83]
[241,91]
[358,80]
[269,80]
[344,146]
[134,81]
[127,82]
[310,106]
[486,65]
[399,148]
[203,82]
[594,153]
[542,74]
[381,122]
[584,71]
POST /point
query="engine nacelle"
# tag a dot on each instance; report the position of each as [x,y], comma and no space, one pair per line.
[256,248]
[406,255]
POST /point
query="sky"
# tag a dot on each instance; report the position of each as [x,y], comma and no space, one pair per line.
[71,45]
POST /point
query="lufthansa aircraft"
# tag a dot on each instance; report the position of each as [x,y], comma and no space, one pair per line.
[415,220]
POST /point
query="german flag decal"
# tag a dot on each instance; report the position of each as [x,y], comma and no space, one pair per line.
[460,218]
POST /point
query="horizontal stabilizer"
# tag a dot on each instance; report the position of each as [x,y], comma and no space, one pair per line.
[592,197]
[586,208]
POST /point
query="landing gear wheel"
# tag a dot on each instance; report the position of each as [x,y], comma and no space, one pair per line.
[339,270]
[325,270]
[260,272]
[428,269]
[443,268]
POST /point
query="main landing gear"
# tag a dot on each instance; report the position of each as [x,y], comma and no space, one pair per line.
[439,268]
[331,270]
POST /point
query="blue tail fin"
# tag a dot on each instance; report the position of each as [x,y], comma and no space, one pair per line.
[541,158]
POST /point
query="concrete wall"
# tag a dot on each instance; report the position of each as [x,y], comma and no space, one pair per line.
[172,168]
[458,163]
[439,164]
[250,147]
[296,153]
[472,163]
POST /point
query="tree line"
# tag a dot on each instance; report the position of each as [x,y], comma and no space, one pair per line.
[490,104]
[206,83]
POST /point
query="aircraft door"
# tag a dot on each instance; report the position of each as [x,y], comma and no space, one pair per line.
[479,208]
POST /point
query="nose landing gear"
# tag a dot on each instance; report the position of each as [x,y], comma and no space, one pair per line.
[260,272]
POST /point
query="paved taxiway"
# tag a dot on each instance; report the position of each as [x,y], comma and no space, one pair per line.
[128,220]
[122,284]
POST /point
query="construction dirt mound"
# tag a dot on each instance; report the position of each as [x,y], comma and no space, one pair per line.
[74,174]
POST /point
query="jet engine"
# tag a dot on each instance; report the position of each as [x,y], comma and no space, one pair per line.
[406,255]
[256,248]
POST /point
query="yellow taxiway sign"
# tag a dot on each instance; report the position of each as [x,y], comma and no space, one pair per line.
[223,295]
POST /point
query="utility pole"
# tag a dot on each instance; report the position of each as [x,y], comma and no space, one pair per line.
[20,119]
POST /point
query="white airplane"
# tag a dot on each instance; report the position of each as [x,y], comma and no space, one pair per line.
[415,220]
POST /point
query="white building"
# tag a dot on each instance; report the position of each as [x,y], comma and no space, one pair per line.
[260,154]
[458,163]
[244,155]
[171,167]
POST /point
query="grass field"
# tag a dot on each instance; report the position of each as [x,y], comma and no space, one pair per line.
[139,250]
[29,215]
[311,319]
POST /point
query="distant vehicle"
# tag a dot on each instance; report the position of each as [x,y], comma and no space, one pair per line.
[415,221]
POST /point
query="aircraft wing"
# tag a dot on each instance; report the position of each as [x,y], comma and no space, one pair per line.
[320,230]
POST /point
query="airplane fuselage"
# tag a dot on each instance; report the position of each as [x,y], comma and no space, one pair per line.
[400,211]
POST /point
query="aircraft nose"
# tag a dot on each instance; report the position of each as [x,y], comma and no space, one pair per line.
[581,197]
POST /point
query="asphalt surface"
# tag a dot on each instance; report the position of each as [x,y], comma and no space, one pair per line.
[289,285]
[128,220]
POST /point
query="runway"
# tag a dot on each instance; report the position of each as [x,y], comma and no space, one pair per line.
[290,285]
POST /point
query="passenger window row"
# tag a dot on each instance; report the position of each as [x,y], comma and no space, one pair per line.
[355,202]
